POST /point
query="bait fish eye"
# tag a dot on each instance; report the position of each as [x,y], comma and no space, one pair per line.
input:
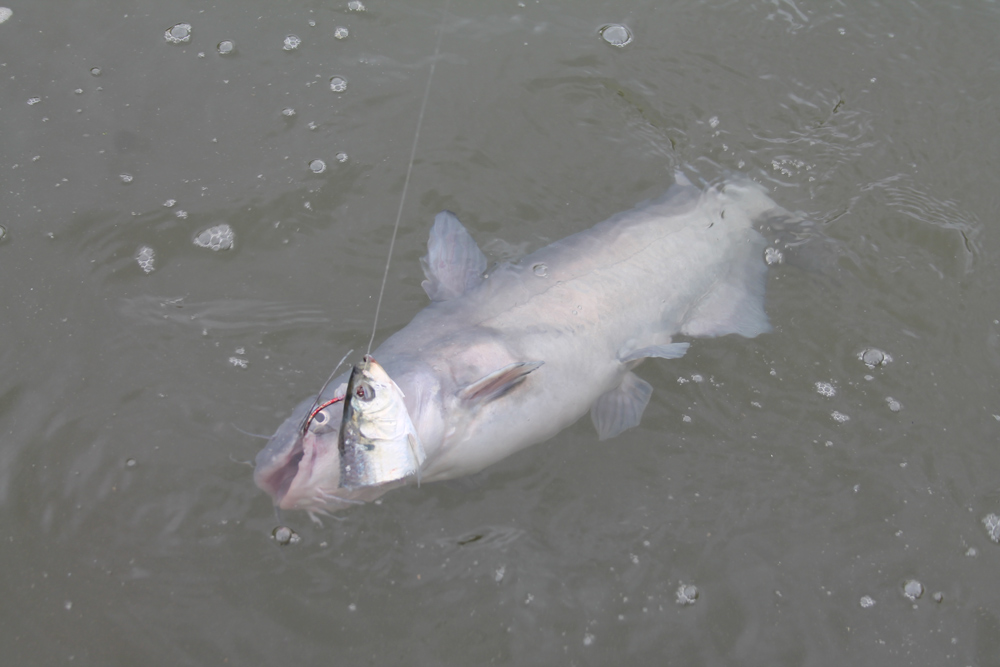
[365,392]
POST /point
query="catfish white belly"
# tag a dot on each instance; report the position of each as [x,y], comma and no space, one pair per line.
[504,360]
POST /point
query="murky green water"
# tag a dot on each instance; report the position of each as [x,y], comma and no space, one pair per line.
[800,491]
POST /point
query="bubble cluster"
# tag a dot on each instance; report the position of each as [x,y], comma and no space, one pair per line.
[341,157]
[872,357]
[338,84]
[145,256]
[686,594]
[284,535]
[291,42]
[773,256]
[126,178]
[866,602]
[540,270]
[288,112]
[356,6]
[992,523]
[826,389]
[178,34]
[839,417]
[5,13]
[913,589]
[616,35]
[3,233]
[95,71]
[226,47]
[317,166]
[340,32]
[215,238]
[893,404]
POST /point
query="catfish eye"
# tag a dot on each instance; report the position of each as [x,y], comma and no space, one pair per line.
[365,392]
[321,422]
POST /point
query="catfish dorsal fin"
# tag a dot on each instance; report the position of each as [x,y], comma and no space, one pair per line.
[497,383]
[454,264]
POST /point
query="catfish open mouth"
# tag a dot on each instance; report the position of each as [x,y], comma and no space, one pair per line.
[276,477]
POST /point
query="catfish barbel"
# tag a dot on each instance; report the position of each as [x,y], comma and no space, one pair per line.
[502,361]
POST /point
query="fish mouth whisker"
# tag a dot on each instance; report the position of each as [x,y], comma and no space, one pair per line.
[324,496]
[252,435]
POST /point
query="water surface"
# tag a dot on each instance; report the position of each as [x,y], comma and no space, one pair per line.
[174,265]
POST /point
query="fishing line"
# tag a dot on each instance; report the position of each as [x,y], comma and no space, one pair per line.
[409,169]
[312,410]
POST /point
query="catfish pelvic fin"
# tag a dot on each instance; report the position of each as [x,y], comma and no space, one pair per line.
[622,407]
[668,351]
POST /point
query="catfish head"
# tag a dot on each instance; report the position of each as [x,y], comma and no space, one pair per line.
[342,448]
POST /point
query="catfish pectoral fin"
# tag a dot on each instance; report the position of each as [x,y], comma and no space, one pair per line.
[498,383]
